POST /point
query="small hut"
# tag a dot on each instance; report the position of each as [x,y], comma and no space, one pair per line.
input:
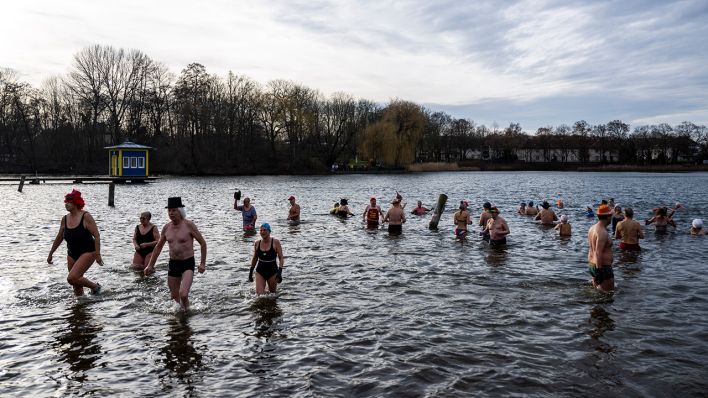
[128,160]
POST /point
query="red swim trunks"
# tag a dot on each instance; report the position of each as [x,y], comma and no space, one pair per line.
[629,246]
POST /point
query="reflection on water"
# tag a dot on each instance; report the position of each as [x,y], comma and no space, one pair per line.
[181,357]
[495,255]
[267,314]
[77,344]
[600,322]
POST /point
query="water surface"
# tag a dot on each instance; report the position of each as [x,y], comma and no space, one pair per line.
[360,313]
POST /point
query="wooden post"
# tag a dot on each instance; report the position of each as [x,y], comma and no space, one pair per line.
[22,184]
[111,193]
[439,208]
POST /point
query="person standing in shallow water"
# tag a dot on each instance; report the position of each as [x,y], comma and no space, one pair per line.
[600,254]
[179,234]
[266,251]
[395,217]
[629,231]
[83,243]
[294,212]
[496,228]
[145,238]
[248,213]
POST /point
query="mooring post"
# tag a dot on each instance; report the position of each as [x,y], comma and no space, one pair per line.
[439,208]
[22,184]
[111,193]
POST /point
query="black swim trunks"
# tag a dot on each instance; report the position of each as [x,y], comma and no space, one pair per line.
[177,267]
[395,229]
[497,242]
[601,274]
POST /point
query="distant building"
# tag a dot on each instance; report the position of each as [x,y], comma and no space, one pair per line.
[128,160]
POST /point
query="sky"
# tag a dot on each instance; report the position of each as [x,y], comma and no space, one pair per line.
[537,63]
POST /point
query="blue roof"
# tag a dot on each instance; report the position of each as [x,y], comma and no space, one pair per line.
[129,145]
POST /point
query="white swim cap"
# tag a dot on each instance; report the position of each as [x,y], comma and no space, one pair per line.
[564,218]
[697,223]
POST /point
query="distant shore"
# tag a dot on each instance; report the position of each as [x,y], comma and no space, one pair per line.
[523,166]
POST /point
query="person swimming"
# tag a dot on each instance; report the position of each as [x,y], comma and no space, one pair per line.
[697,227]
[343,209]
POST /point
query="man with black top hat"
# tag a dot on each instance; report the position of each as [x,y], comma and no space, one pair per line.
[180,234]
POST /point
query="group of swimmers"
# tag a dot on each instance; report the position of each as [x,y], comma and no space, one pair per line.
[78,228]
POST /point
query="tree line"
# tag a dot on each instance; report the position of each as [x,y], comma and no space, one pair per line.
[202,123]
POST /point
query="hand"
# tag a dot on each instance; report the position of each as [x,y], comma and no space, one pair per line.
[137,247]
[49,259]
[149,270]
[201,268]
[99,259]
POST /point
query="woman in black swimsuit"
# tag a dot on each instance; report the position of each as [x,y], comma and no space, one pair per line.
[83,243]
[265,253]
[145,238]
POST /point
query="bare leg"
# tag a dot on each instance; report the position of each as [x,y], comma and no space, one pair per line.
[76,273]
[139,262]
[173,283]
[272,283]
[607,285]
[187,278]
[260,283]
[78,290]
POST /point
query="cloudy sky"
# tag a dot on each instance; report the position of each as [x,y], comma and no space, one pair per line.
[533,62]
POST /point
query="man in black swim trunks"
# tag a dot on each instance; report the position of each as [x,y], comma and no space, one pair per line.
[180,234]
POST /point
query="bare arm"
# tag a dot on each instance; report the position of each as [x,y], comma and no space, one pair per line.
[202,245]
[156,253]
[135,239]
[90,225]
[279,251]
[155,236]
[57,240]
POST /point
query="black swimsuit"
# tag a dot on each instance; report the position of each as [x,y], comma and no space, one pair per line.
[147,238]
[78,240]
[266,261]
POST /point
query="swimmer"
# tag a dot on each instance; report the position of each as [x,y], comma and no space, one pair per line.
[395,217]
[145,238]
[248,213]
[661,220]
[461,219]
[531,210]
[617,216]
[265,253]
[589,213]
[294,212]
[343,209]
[546,216]
[563,228]
[419,210]
[559,204]
[497,228]
[372,214]
[179,234]
[600,254]
[697,227]
[483,219]
[83,243]
[629,231]
[334,208]
[522,208]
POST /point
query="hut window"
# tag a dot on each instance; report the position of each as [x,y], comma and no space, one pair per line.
[126,163]
[134,163]
[141,163]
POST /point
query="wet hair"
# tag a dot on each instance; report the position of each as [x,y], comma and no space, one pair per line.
[662,211]
[336,204]
[522,204]
[629,212]
[487,205]
[344,202]
[531,203]
[146,214]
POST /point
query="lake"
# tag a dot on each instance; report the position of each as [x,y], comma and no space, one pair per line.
[361,313]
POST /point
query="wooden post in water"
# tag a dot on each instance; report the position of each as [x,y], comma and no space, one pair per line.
[22,184]
[111,193]
[439,208]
